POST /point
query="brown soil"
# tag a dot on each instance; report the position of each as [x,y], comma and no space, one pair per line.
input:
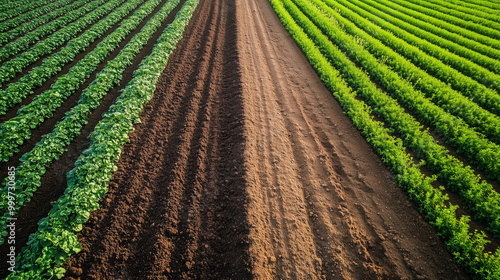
[244,167]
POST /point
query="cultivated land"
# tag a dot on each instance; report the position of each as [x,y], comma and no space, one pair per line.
[244,165]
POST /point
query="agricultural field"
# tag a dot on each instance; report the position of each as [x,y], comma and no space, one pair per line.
[256,139]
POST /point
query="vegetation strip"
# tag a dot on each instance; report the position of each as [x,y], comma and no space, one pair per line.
[16,92]
[484,5]
[483,13]
[34,163]
[467,248]
[478,195]
[444,24]
[483,96]
[15,131]
[454,52]
[464,16]
[486,31]
[25,19]
[465,38]
[37,21]
[55,239]
[19,10]
[437,91]
[86,16]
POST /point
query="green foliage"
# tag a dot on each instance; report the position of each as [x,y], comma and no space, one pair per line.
[52,146]
[467,247]
[55,239]
[35,20]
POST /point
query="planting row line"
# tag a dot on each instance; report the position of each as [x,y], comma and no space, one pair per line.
[85,15]
[16,92]
[437,91]
[467,248]
[485,97]
[481,12]
[15,131]
[13,5]
[459,178]
[34,163]
[32,15]
[30,5]
[485,40]
[488,6]
[465,16]
[37,21]
[415,5]
[55,239]
[449,50]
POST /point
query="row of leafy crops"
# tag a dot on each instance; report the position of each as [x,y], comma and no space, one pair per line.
[10,68]
[10,13]
[55,239]
[44,13]
[59,9]
[422,105]
[34,163]
[16,92]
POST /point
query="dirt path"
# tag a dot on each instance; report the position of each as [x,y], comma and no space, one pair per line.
[322,205]
[244,167]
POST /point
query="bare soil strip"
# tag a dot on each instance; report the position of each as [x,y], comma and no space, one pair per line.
[244,167]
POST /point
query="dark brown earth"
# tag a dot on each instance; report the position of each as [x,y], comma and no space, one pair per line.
[244,167]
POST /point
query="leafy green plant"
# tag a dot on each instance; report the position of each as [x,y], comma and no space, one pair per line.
[467,247]
[52,146]
[55,240]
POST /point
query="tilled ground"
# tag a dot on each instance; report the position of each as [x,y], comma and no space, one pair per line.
[244,167]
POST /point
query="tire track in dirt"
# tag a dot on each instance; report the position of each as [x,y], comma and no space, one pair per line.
[333,210]
[176,205]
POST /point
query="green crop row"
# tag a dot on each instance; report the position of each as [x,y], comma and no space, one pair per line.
[483,5]
[15,131]
[483,39]
[483,12]
[486,31]
[16,92]
[36,20]
[477,194]
[438,92]
[453,35]
[26,7]
[85,18]
[483,96]
[466,247]
[450,49]
[25,19]
[55,240]
[465,16]
[13,5]
[34,163]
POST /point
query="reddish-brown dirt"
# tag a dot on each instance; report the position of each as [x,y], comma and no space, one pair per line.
[244,167]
